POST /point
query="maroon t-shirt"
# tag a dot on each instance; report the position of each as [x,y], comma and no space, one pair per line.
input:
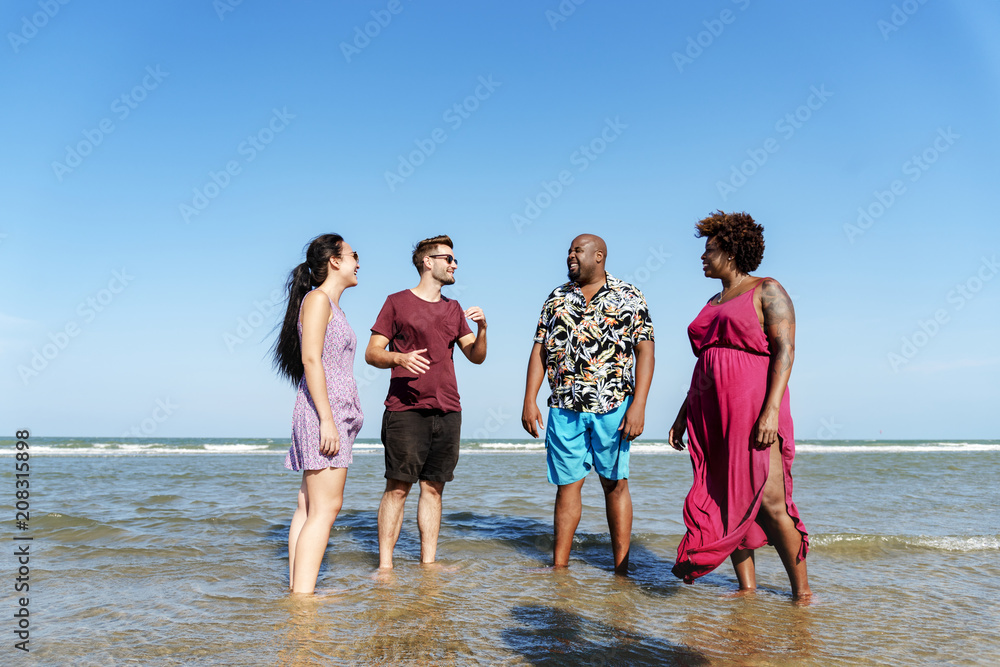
[410,323]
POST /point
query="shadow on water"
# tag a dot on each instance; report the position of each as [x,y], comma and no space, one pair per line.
[551,636]
[361,526]
[533,539]
[528,536]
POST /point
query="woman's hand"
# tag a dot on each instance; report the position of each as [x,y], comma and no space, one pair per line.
[329,438]
[676,435]
[765,431]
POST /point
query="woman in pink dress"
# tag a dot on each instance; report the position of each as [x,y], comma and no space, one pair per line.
[315,350]
[737,416]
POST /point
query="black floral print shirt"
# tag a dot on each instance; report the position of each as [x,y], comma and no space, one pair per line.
[588,349]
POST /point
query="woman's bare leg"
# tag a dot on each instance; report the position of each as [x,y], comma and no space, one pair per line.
[298,519]
[780,527]
[746,572]
[325,496]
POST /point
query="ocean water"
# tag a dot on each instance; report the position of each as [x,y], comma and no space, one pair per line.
[173,551]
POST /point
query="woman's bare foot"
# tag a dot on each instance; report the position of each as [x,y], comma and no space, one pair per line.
[742,593]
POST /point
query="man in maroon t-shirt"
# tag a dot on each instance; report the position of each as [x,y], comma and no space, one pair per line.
[422,423]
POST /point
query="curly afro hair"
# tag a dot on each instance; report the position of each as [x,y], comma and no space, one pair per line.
[736,234]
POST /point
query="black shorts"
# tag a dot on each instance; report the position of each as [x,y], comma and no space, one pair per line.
[421,445]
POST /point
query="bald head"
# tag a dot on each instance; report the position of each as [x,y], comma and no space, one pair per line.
[600,245]
[585,259]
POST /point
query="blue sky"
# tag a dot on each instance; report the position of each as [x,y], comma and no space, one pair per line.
[165,163]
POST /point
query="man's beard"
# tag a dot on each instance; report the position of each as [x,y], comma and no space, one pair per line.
[445,278]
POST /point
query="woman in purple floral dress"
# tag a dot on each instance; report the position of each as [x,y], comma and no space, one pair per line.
[315,350]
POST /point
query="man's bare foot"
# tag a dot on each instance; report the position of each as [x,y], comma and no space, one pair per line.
[547,569]
[383,574]
[440,567]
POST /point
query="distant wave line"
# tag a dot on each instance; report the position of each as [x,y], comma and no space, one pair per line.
[639,448]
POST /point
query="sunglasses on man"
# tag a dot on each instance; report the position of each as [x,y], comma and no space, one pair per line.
[448,258]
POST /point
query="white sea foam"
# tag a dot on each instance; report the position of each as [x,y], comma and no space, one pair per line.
[646,447]
[126,449]
[512,446]
[882,449]
[234,449]
[962,543]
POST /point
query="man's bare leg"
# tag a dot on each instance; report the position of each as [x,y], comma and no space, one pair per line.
[618,506]
[780,527]
[429,518]
[390,519]
[746,573]
[569,508]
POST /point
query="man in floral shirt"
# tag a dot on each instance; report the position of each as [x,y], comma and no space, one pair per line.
[589,331]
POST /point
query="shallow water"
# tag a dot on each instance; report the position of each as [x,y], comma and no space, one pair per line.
[143,556]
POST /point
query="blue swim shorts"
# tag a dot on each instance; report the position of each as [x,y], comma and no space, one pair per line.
[575,442]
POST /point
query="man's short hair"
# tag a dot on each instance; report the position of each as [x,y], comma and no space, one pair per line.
[426,247]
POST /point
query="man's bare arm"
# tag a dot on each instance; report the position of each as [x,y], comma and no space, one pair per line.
[378,356]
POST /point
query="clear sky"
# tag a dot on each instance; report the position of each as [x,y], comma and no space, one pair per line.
[164,163]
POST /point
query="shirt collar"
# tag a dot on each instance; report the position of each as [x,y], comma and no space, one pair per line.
[610,283]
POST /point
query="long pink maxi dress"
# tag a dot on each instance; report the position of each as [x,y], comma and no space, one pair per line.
[727,392]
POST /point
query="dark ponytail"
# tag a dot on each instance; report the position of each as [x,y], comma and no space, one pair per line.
[311,273]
